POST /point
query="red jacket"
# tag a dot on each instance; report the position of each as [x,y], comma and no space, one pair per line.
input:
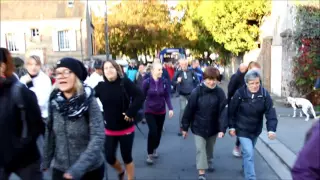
[170,70]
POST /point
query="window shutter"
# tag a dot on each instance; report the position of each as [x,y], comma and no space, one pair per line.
[21,42]
[55,42]
[3,40]
[72,40]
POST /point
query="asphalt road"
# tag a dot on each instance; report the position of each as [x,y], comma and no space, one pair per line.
[177,157]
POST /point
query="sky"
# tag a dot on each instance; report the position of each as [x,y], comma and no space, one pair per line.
[98,6]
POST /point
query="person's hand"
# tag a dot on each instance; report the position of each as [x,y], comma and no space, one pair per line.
[220,135]
[67,176]
[184,134]
[127,118]
[232,132]
[271,135]
[179,79]
[170,113]
[25,79]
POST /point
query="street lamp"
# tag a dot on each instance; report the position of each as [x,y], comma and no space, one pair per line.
[106,30]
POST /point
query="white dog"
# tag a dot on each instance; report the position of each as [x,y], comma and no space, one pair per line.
[303,104]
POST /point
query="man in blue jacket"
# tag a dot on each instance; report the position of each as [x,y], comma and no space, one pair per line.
[132,70]
[196,68]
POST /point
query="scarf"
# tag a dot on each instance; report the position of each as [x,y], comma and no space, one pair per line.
[73,108]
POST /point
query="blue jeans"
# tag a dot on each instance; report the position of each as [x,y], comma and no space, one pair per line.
[247,147]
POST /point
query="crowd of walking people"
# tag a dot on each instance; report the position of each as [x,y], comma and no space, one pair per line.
[72,122]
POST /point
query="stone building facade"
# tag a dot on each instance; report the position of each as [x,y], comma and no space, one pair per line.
[50,29]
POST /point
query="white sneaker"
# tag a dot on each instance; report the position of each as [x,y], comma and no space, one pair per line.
[155,154]
[236,151]
[149,160]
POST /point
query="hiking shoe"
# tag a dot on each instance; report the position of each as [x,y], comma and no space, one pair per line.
[202,177]
[149,160]
[236,151]
[210,167]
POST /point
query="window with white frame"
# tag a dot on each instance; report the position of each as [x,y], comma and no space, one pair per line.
[34,32]
[63,40]
[70,3]
[12,42]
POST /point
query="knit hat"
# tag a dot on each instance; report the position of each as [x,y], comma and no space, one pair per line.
[75,66]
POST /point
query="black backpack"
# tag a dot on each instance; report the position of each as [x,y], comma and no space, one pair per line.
[18,100]
[16,91]
[194,77]
[244,98]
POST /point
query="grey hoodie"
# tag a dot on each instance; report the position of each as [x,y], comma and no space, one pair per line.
[75,146]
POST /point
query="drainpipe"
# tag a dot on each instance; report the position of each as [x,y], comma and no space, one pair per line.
[81,39]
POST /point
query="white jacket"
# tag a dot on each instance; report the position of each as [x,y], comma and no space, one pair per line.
[92,82]
[42,87]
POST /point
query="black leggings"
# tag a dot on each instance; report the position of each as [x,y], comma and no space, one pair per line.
[96,174]
[155,124]
[111,144]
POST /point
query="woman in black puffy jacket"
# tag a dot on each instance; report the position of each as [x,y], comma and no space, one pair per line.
[203,113]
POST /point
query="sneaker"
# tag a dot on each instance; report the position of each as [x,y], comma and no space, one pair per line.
[180,132]
[155,154]
[210,167]
[236,151]
[121,175]
[149,160]
[202,177]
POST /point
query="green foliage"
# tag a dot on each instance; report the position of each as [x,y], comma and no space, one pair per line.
[307,39]
[223,27]
[234,23]
[199,38]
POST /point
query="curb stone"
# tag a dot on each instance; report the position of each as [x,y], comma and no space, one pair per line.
[283,154]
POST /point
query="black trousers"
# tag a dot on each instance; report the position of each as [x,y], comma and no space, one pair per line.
[30,172]
[97,174]
[155,123]
[126,143]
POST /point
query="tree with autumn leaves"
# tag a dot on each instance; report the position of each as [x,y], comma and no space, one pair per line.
[223,27]
[307,60]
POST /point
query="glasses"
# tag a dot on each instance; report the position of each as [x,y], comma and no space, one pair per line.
[65,73]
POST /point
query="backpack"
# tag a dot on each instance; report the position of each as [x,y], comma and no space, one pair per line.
[164,82]
[200,93]
[194,77]
[16,90]
[264,97]
[138,118]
